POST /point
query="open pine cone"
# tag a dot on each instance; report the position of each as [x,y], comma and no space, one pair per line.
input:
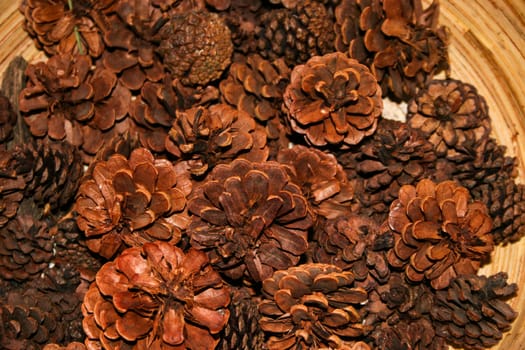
[250,218]
[439,232]
[333,100]
[156,297]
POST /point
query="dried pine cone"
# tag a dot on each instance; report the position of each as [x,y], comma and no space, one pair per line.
[243,17]
[12,187]
[156,297]
[439,232]
[393,156]
[453,117]
[296,34]
[196,47]
[408,334]
[321,179]
[70,346]
[7,120]
[311,306]
[399,40]
[472,313]
[333,100]
[250,218]
[132,201]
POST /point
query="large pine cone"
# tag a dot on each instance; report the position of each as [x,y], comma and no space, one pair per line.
[399,40]
[132,201]
[250,218]
[439,232]
[156,297]
[333,100]
[312,306]
[472,313]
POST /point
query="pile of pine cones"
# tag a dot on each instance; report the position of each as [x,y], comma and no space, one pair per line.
[207,174]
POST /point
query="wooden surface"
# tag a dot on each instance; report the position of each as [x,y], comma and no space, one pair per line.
[487,49]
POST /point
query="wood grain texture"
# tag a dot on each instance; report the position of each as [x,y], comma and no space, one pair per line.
[487,50]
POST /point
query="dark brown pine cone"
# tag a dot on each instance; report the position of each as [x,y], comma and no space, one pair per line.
[321,179]
[399,40]
[130,201]
[393,156]
[7,120]
[333,100]
[12,187]
[453,117]
[472,312]
[156,297]
[250,218]
[439,232]
[256,86]
[68,99]
[67,27]
[196,47]
[312,306]
[217,134]
[295,34]
[408,334]
[243,17]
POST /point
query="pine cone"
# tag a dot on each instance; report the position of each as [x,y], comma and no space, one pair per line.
[295,34]
[250,218]
[439,232]
[12,187]
[399,40]
[453,117]
[311,306]
[156,297]
[70,346]
[132,201]
[7,120]
[408,334]
[243,18]
[393,156]
[333,100]
[196,47]
[472,312]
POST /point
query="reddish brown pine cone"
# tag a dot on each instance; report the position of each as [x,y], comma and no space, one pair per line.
[333,100]
[196,47]
[250,218]
[132,201]
[67,27]
[453,117]
[399,40]
[156,297]
[473,313]
[439,232]
[312,306]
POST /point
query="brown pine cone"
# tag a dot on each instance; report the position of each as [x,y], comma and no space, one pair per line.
[311,306]
[127,202]
[453,117]
[12,187]
[399,40]
[250,218]
[243,18]
[196,47]
[156,297]
[333,100]
[408,334]
[393,156]
[439,232]
[64,27]
[7,120]
[70,346]
[295,34]
[472,313]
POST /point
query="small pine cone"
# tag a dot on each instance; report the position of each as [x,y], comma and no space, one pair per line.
[311,306]
[67,99]
[70,346]
[453,117]
[256,86]
[12,187]
[250,218]
[62,27]
[218,134]
[296,34]
[408,334]
[439,232]
[399,40]
[333,100]
[243,18]
[132,201]
[472,313]
[156,297]
[7,120]
[393,156]
[321,179]
[354,243]
[196,47]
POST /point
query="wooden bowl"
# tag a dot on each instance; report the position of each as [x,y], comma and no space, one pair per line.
[487,50]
